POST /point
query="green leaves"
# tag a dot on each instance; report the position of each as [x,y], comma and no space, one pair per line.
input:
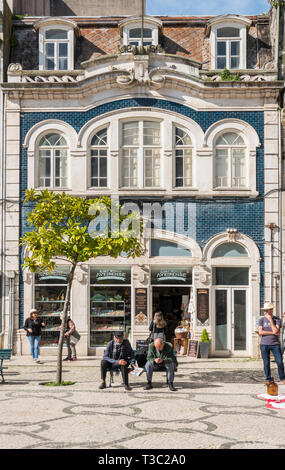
[59,229]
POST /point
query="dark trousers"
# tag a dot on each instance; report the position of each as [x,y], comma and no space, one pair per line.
[265,353]
[107,366]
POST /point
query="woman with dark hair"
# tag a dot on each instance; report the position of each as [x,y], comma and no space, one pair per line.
[33,326]
[158,326]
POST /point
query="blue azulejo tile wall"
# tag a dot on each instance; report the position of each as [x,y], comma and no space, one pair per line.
[209,216]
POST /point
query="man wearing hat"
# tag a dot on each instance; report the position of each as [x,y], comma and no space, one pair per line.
[118,355]
[269,331]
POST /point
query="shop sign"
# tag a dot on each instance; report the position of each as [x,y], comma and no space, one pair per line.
[171,276]
[193,348]
[203,305]
[58,274]
[141,306]
[110,276]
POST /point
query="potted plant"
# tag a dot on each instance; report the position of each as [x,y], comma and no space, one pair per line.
[204,344]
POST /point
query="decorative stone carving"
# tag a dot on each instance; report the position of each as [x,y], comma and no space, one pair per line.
[232,235]
[15,68]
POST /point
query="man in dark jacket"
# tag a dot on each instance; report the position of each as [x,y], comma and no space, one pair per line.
[118,355]
[160,357]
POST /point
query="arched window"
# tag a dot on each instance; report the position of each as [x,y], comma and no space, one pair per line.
[167,248]
[99,159]
[140,154]
[52,169]
[183,159]
[230,168]
[230,250]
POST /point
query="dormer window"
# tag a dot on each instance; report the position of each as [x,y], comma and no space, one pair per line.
[228,48]
[135,37]
[228,38]
[138,32]
[56,43]
[56,49]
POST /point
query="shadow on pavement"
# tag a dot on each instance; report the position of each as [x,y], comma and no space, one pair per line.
[235,376]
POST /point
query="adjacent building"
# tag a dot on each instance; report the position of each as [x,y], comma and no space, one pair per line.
[179,116]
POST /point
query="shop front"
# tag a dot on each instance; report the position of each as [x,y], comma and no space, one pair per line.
[217,289]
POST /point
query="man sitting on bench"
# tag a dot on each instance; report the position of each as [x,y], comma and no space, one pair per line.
[117,356]
[160,357]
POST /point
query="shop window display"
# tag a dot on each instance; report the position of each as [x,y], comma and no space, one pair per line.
[110,304]
[50,291]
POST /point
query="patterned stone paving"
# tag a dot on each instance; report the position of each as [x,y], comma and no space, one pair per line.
[215,407]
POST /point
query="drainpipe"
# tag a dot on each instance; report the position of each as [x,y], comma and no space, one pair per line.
[271,227]
[3,206]
[11,277]
[277,39]
[280,223]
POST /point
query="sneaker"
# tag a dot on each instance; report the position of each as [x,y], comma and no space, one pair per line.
[103,385]
[128,388]
[67,359]
[148,386]
[172,388]
[73,359]
[283,381]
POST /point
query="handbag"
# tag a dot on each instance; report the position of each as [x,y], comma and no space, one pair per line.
[75,337]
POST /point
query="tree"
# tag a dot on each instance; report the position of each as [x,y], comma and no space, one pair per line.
[66,227]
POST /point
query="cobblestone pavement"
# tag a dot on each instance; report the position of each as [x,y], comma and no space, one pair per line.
[215,407]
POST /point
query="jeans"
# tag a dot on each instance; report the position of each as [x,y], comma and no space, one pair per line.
[150,368]
[265,353]
[107,366]
[71,350]
[34,342]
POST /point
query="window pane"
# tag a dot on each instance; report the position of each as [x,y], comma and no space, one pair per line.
[137,33]
[50,64]
[230,138]
[181,137]
[62,50]
[152,168]
[221,48]
[50,50]
[235,47]
[234,62]
[238,168]
[53,140]
[129,168]
[56,34]
[221,63]
[62,64]
[100,138]
[230,250]
[221,167]
[228,33]
[131,133]
[231,276]
[151,133]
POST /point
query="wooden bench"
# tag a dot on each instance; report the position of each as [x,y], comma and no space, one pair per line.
[162,369]
[4,354]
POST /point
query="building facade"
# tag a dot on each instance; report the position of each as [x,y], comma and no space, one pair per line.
[179,116]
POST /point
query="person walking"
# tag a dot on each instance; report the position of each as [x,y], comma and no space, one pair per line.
[269,331]
[71,338]
[157,326]
[33,326]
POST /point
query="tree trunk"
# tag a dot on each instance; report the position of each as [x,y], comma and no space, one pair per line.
[63,326]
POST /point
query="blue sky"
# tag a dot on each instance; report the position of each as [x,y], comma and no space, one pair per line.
[206,7]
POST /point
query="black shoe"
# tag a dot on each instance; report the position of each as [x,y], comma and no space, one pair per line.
[103,385]
[148,386]
[67,359]
[172,388]
[128,388]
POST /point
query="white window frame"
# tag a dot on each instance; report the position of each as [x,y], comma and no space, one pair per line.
[141,147]
[43,41]
[230,157]
[182,147]
[52,162]
[138,25]
[99,147]
[242,40]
